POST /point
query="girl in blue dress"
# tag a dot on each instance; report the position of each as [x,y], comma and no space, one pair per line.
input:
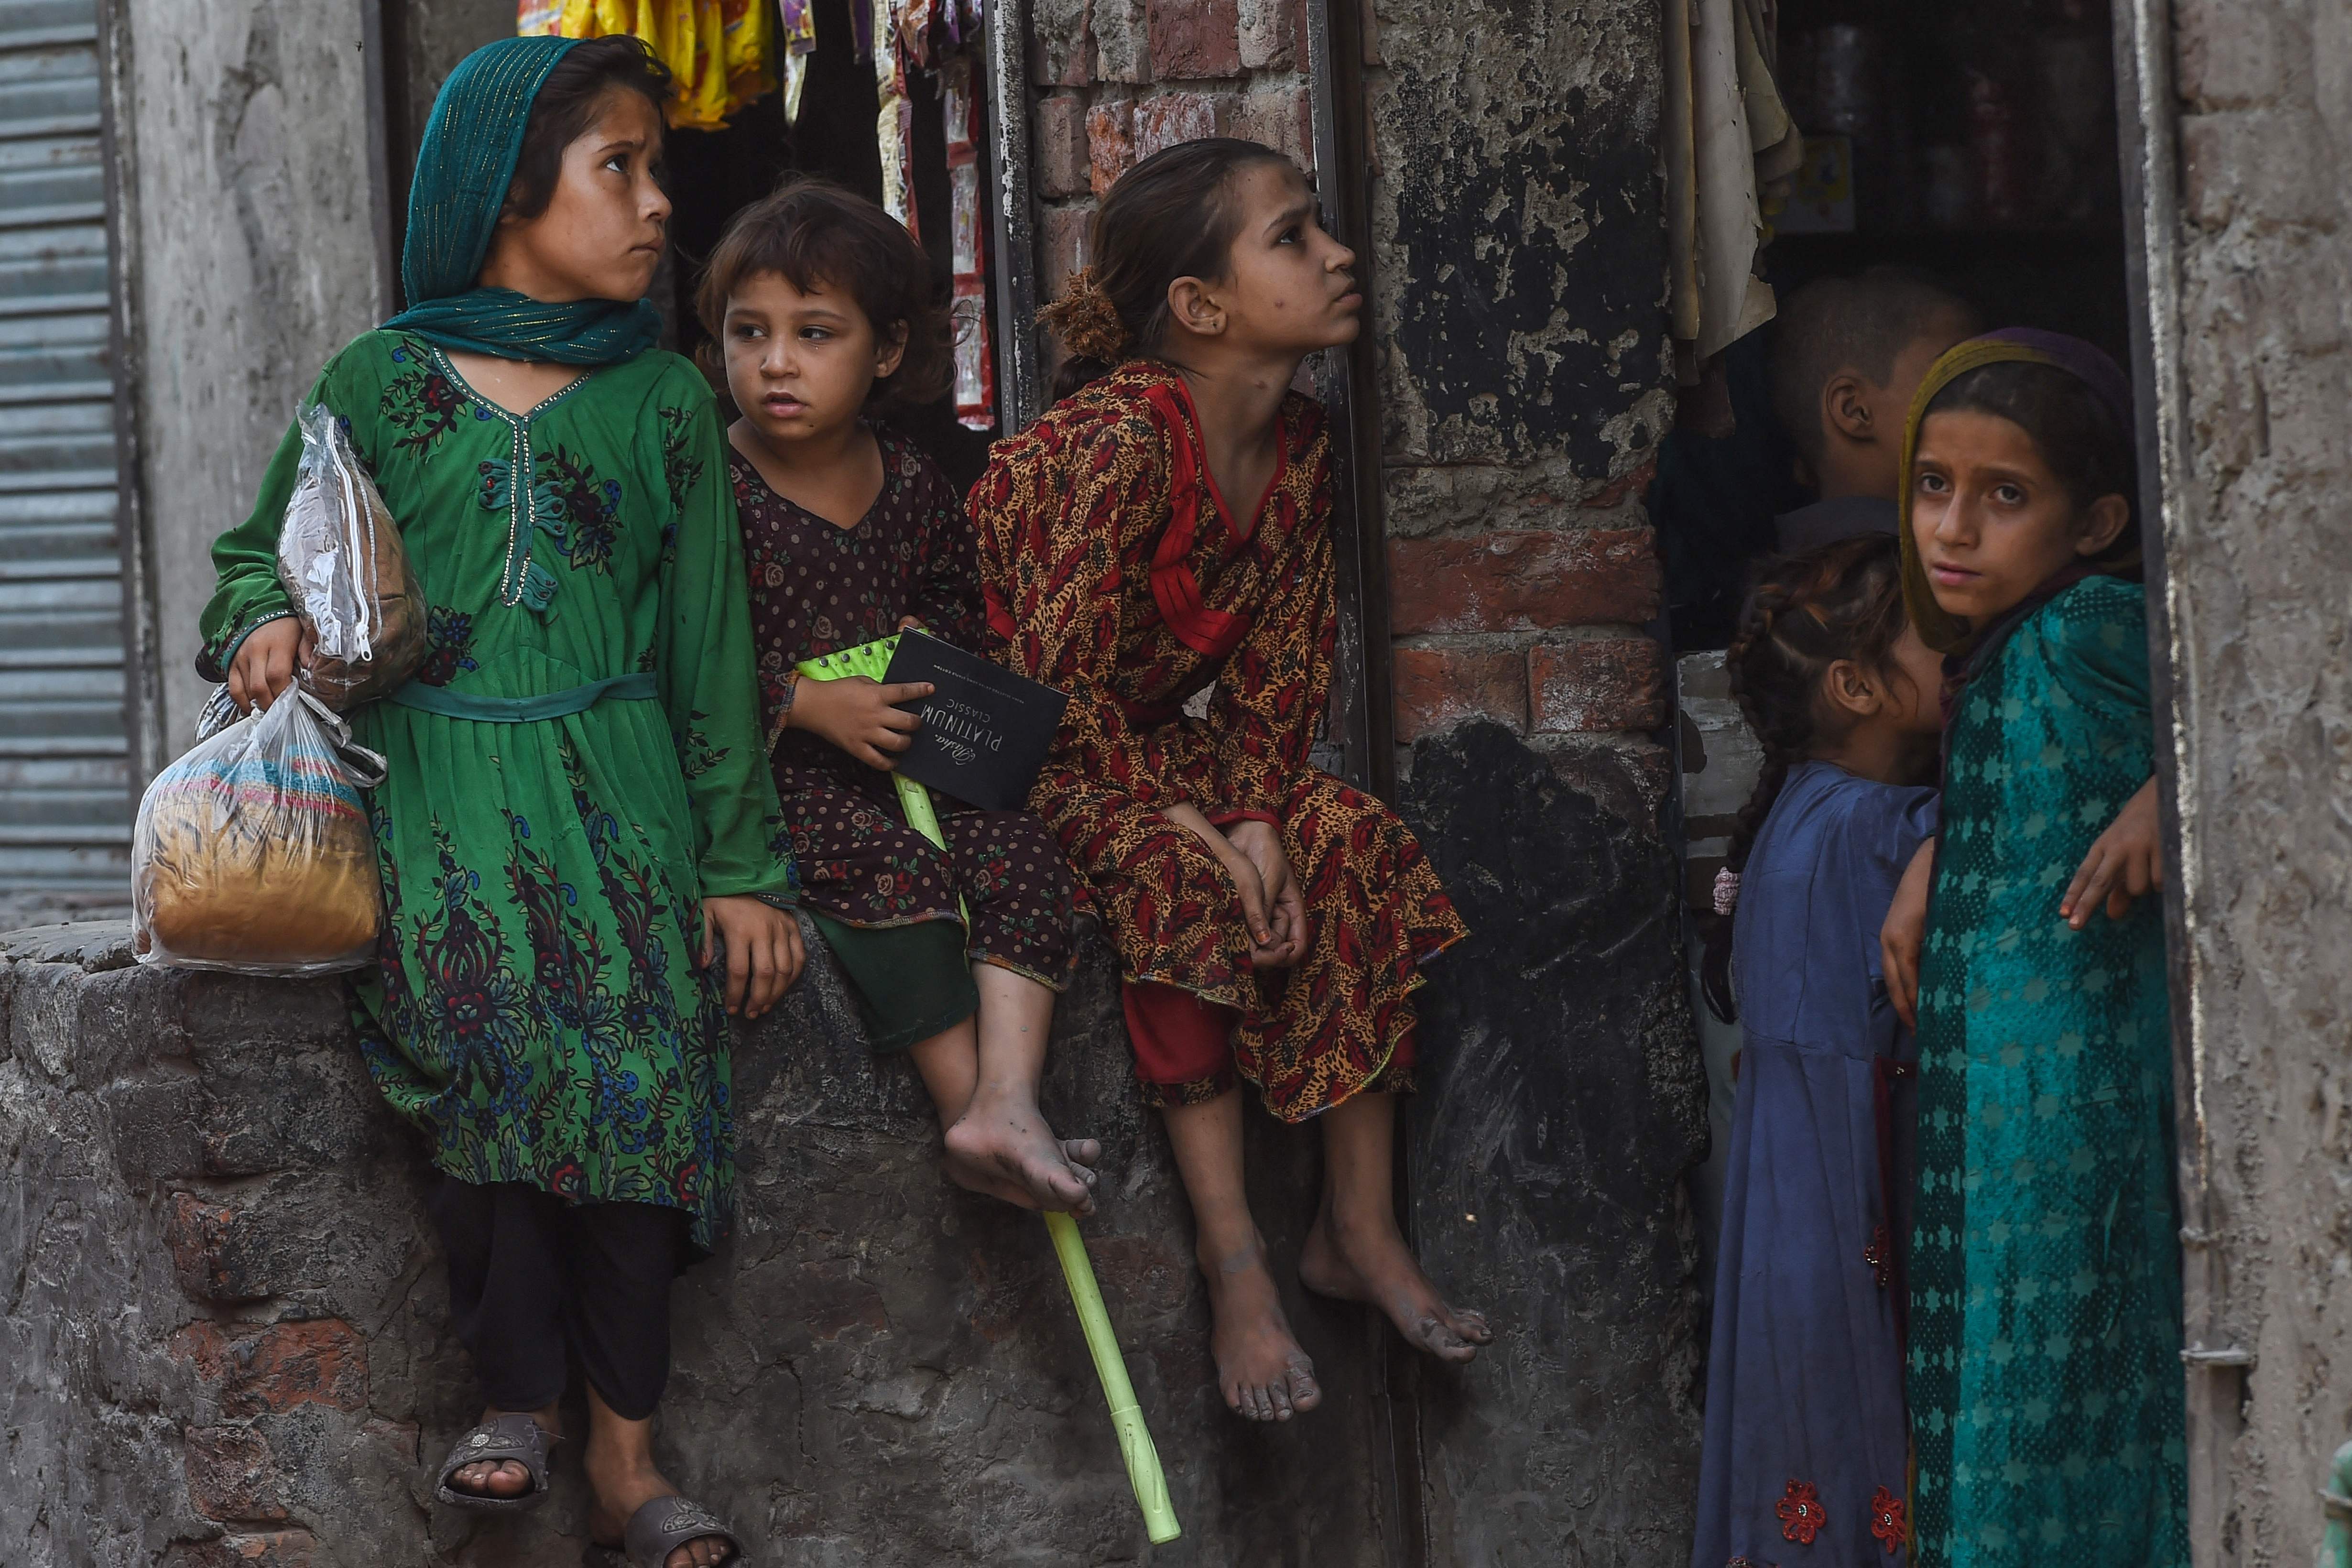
[1806,1444]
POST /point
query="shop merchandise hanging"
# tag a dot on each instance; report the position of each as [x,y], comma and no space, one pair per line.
[720,53]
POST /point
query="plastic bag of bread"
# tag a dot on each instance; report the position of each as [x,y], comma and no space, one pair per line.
[340,555]
[254,853]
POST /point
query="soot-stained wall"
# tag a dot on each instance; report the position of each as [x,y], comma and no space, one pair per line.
[1520,258]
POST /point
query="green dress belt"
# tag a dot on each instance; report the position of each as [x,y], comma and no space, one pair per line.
[639,687]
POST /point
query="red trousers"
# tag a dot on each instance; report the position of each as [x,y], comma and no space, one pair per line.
[1183,1045]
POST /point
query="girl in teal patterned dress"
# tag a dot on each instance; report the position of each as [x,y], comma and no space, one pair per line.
[577,801]
[2045,1378]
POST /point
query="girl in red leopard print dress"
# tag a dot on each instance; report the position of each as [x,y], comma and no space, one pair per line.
[1271,922]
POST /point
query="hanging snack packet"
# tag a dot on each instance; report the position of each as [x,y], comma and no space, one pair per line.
[253,852]
[340,555]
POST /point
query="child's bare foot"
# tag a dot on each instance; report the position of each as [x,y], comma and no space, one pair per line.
[1381,1271]
[622,1486]
[1261,1371]
[1002,1146]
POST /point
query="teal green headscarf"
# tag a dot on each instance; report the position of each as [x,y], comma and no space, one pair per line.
[471,143]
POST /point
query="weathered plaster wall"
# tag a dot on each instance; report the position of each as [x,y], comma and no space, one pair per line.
[225,1342]
[2255,550]
[431,36]
[1519,280]
[254,259]
[1561,1105]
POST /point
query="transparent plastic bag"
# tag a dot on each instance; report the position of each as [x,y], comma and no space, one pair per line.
[254,853]
[340,555]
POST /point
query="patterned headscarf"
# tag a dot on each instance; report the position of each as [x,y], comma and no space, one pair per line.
[463,169]
[2030,345]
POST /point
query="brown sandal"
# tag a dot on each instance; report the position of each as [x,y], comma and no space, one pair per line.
[667,1523]
[512,1440]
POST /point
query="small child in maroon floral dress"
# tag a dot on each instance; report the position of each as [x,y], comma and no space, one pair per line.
[824,315]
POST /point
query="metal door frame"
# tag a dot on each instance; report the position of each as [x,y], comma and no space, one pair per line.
[143,673]
[2148,129]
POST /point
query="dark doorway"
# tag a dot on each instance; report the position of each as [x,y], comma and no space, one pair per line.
[1975,143]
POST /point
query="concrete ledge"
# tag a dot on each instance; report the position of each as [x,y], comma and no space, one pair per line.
[224,1341]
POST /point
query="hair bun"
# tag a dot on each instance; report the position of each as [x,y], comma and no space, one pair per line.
[1086,321]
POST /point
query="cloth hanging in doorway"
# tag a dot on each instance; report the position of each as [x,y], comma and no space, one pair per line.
[940,37]
[720,53]
[975,364]
[894,120]
[795,44]
[1729,140]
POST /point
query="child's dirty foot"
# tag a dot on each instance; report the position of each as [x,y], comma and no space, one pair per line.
[1381,1271]
[1002,1146]
[1261,1371]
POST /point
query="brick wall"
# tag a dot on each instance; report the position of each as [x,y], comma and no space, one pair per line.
[1122,78]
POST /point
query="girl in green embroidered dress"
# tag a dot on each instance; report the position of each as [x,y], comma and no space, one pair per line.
[578,815]
[2044,1381]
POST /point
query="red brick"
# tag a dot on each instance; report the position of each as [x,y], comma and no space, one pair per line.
[1602,683]
[261,1367]
[1283,119]
[271,1549]
[1438,687]
[1273,35]
[231,1474]
[1163,120]
[196,1231]
[1614,492]
[1194,41]
[1063,156]
[1110,141]
[1064,232]
[1523,580]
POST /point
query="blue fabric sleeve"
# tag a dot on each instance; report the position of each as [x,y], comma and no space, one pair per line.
[1897,821]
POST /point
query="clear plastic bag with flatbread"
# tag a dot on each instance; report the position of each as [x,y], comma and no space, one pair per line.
[254,853]
[341,558]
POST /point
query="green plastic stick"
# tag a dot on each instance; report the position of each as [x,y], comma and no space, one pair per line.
[1126,1416]
[872,660]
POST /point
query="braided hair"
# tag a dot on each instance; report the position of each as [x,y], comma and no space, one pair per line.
[1804,613]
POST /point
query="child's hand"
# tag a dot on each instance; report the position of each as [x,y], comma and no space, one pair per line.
[2126,862]
[266,662]
[763,951]
[1904,932]
[1286,912]
[860,716]
[1249,883]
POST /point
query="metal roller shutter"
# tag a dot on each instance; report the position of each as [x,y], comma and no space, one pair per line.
[65,786]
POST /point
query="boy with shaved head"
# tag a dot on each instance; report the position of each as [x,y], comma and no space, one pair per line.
[1848,355]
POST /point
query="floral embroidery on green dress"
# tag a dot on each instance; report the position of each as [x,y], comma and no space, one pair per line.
[538,1008]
